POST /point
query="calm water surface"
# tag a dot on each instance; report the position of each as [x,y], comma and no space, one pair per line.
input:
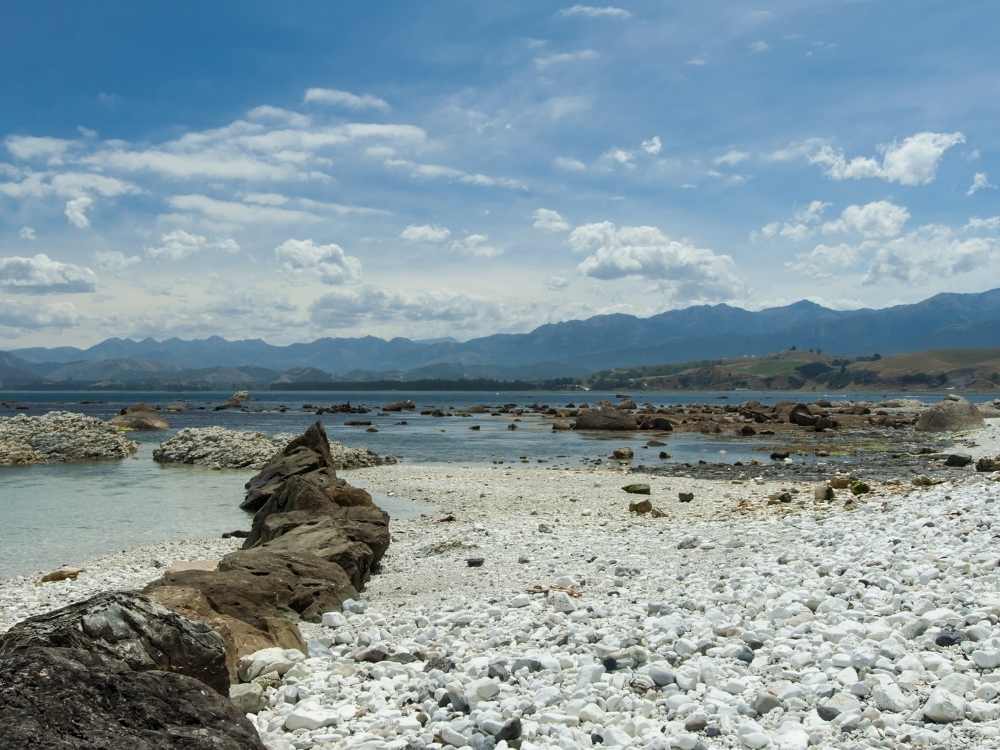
[56,514]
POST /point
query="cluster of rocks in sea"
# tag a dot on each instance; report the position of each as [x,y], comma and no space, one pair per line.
[153,670]
[140,417]
[874,628]
[60,436]
[221,448]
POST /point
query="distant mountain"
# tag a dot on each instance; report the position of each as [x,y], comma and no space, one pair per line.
[570,348]
[15,372]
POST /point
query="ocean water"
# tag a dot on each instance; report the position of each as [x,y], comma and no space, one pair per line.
[67,513]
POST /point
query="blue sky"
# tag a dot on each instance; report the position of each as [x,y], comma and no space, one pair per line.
[460,168]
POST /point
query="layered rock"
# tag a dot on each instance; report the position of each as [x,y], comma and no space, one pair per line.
[314,543]
[66,699]
[219,448]
[950,416]
[59,437]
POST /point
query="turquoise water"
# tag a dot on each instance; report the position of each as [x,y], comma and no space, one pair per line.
[56,514]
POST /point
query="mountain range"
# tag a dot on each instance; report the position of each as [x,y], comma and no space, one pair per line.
[570,348]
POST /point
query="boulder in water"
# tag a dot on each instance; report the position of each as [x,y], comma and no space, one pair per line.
[605,418]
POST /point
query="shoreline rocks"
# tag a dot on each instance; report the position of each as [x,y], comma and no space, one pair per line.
[60,437]
[951,415]
[221,448]
[140,417]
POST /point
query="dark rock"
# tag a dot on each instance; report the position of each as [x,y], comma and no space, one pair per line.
[641,507]
[685,497]
[400,406]
[511,730]
[637,489]
[70,699]
[605,418]
[801,416]
[131,628]
[474,562]
[307,455]
[948,637]
[988,464]
[958,460]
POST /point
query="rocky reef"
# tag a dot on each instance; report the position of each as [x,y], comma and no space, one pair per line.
[59,437]
[220,448]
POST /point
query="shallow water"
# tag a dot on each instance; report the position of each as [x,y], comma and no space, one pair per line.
[68,513]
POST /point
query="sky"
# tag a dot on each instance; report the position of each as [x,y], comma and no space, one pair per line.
[458,168]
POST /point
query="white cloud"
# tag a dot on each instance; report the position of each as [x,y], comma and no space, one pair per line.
[329,263]
[76,211]
[31,316]
[593,11]
[354,308]
[556,283]
[825,261]
[620,156]
[425,233]
[550,221]
[567,164]
[277,114]
[559,107]
[561,58]
[265,199]
[731,158]
[29,148]
[476,245]
[692,273]
[179,245]
[27,233]
[346,99]
[67,185]
[696,61]
[652,146]
[876,219]
[990,223]
[759,47]
[912,162]
[441,172]
[980,182]
[115,261]
[40,274]
[238,213]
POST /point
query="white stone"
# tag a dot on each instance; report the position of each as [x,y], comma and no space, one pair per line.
[943,707]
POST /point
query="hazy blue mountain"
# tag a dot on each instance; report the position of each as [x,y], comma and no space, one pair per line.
[577,346]
[15,372]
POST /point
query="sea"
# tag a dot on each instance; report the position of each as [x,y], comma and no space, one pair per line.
[58,514]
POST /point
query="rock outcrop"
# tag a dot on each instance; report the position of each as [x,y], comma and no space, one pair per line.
[950,416]
[59,437]
[314,543]
[130,628]
[219,448]
[67,699]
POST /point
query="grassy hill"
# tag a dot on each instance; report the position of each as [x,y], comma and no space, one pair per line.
[970,369]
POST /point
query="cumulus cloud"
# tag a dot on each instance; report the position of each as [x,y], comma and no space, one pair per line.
[693,273]
[76,211]
[40,274]
[825,261]
[329,263]
[567,164]
[556,283]
[563,58]
[27,233]
[346,99]
[594,11]
[24,317]
[696,61]
[239,213]
[620,156]
[476,245]
[550,221]
[30,148]
[802,225]
[980,182]
[425,233]
[990,223]
[913,161]
[876,219]
[115,261]
[759,47]
[652,146]
[180,245]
